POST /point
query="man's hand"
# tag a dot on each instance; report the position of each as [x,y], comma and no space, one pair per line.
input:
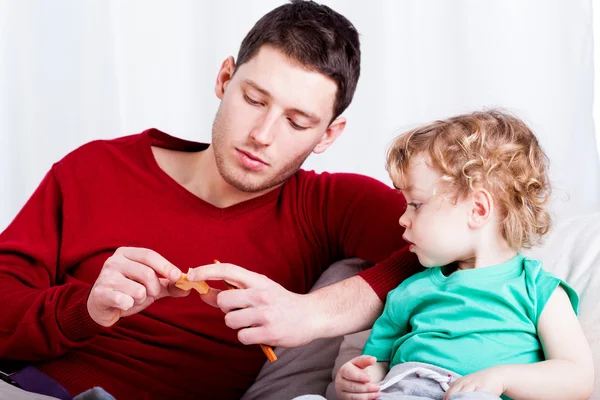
[264,311]
[355,382]
[128,283]
[488,380]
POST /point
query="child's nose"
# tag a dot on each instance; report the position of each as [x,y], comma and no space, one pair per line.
[404,221]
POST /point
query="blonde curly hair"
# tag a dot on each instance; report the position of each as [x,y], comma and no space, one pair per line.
[491,150]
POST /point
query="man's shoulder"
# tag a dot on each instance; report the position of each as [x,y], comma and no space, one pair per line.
[345,192]
[103,147]
[103,156]
[344,181]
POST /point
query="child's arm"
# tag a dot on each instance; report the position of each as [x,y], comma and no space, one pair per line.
[567,373]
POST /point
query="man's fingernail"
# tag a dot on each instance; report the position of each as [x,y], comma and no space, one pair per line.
[190,274]
[174,275]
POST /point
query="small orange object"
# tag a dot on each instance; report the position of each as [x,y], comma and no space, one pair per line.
[184,284]
[268,350]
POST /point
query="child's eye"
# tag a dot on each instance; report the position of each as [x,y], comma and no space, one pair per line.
[415,205]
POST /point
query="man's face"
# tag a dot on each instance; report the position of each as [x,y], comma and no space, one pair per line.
[273,114]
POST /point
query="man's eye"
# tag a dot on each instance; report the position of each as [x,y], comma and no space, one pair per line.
[251,101]
[296,126]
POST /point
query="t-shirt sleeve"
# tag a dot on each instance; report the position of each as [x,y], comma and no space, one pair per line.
[389,327]
[546,284]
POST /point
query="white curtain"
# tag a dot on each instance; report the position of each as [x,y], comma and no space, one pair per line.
[72,71]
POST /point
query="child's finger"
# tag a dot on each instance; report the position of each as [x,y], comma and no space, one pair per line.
[363,361]
[454,388]
[359,396]
[352,373]
[358,387]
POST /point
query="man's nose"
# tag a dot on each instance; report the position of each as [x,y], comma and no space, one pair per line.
[264,132]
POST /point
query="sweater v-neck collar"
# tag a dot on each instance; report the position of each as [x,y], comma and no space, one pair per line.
[155,137]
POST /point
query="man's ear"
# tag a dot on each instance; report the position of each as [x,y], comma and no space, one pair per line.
[482,207]
[334,130]
[224,76]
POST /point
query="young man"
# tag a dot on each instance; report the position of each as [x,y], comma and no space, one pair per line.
[89,265]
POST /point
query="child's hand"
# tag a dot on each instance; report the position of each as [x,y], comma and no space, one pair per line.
[353,381]
[488,380]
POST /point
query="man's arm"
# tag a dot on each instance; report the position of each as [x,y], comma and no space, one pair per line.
[344,307]
[268,313]
[39,319]
[361,217]
[353,305]
[43,318]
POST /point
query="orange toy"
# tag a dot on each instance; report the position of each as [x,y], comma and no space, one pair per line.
[184,284]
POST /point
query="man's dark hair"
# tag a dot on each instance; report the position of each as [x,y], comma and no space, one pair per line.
[314,36]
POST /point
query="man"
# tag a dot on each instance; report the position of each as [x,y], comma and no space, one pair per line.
[88,266]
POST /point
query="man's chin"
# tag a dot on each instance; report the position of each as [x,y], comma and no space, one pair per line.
[250,186]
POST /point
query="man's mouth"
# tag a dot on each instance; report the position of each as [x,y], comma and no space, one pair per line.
[251,161]
[253,157]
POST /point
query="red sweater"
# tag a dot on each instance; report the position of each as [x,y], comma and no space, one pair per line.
[109,194]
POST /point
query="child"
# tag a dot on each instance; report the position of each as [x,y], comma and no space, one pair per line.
[479,322]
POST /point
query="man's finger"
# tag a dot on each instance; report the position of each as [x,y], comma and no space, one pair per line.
[233,299]
[153,260]
[141,274]
[237,276]
[169,289]
[243,318]
[256,335]
[210,298]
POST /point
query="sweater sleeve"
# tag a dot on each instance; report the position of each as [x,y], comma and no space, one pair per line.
[43,315]
[362,216]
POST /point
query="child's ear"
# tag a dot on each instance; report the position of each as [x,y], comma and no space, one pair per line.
[482,207]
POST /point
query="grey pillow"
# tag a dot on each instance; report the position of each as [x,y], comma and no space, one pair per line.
[306,369]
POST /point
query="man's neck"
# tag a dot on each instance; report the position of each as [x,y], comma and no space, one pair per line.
[198,173]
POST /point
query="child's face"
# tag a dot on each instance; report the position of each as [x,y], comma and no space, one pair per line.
[436,225]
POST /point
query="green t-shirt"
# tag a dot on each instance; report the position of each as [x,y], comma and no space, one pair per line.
[468,321]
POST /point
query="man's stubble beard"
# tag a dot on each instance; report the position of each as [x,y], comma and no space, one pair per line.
[244,180]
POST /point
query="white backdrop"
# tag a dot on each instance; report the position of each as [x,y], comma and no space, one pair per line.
[76,70]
